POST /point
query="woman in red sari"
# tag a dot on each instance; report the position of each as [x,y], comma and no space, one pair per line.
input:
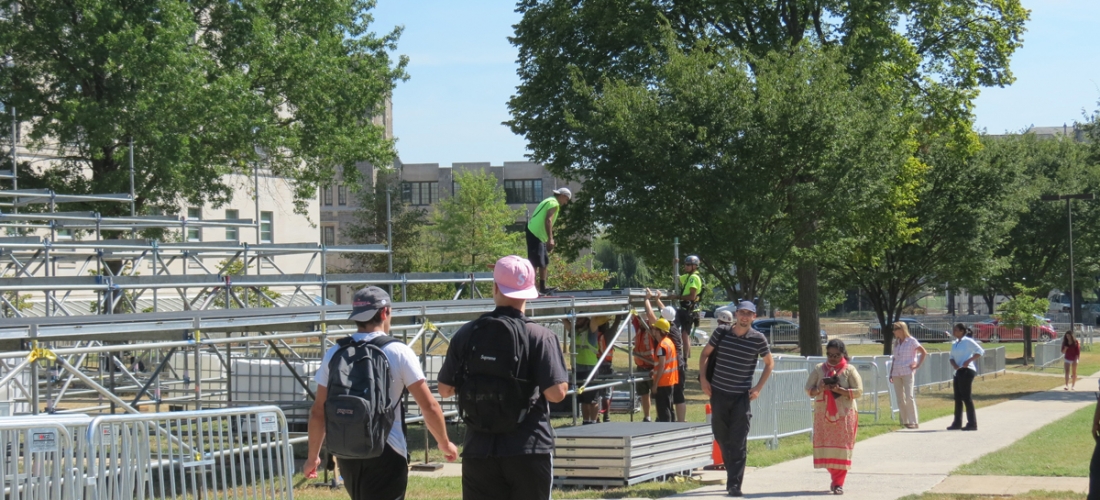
[835,386]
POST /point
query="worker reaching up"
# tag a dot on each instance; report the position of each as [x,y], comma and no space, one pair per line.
[540,232]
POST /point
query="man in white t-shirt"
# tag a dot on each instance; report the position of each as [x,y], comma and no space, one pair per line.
[384,477]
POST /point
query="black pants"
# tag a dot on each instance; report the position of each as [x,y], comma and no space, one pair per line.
[963,382]
[678,389]
[687,321]
[730,415]
[521,477]
[663,401]
[382,478]
[1094,473]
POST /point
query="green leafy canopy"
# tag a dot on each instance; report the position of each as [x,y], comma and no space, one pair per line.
[202,88]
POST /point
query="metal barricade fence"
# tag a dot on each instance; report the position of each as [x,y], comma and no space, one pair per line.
[783,408]
[41,457]
[872,374]
[209,454]
[1047,353]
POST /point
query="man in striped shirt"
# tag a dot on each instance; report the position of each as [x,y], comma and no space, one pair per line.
[734,350]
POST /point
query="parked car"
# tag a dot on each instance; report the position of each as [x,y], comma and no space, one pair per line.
[781,331]
[991,330]
[917,329]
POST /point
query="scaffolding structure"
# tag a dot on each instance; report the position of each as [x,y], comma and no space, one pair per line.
[105,337]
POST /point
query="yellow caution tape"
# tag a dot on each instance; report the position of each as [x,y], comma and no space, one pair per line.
[429,326]
[324,328]
[198,336]
[580,390]
[38,353]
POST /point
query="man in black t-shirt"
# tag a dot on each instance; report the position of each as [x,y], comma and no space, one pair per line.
[731,390]
[517,464]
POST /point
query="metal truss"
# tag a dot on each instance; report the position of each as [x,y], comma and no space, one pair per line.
[190,357]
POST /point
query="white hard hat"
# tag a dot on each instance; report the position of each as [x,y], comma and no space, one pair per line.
[668,313]
[724,316]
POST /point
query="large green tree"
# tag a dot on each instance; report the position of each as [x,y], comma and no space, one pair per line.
[201,88]
[933,53]
[1036,251]
[470,228]
[370,226]
[966,205]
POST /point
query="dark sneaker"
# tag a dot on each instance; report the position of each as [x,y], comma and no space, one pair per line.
[970,427]
[647,419]
[955,427]
[735,493]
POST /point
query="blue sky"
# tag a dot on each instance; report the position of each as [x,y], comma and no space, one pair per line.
[463,71]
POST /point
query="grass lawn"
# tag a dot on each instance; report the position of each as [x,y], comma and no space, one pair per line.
[1059,449]
[450,488]
[1031,495]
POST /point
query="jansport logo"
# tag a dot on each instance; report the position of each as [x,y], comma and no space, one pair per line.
[345,411]
[488,358]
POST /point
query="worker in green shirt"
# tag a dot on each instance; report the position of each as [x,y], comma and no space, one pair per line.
[540,232]
[691,287]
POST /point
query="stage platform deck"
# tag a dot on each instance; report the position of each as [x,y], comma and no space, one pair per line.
[622,454]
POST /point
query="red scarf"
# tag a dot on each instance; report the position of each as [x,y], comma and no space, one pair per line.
[830,398]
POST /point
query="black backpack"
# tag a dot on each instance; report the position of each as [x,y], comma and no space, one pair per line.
[359,412]
[492,396]
[712,361]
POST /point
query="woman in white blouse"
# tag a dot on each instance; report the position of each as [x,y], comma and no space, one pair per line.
[908,357]
[964,352]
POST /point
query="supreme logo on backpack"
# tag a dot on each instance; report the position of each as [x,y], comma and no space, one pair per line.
[359,412]
[493,397]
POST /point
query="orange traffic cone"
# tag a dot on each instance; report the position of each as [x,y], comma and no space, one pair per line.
[715,452]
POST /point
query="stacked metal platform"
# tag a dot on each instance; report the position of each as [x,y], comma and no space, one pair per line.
[622,454]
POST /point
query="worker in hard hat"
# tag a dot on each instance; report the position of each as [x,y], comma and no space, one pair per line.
[666,372]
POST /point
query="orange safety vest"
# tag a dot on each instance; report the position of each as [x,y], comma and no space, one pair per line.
[603,347]
[672,364]
[643,350]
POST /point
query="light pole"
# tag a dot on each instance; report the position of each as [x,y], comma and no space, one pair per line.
[1073,313]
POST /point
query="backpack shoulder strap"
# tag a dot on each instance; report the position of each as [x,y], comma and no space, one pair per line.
[382,341]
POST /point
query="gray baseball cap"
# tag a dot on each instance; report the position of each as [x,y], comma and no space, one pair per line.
[745,305]
[367,302]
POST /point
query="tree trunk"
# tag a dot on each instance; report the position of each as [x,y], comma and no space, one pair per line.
[809,327]
[1027,344]
[989,298]
[969,303]
[950,303]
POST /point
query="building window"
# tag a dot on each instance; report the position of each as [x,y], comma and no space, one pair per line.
[523,191]
[328,235]
[326,196]
[419,193]
[64,235]
[194,233]
[232,233]
[267,227]
[342,195]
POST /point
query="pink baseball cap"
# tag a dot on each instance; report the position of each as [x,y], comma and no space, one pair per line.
[515,277]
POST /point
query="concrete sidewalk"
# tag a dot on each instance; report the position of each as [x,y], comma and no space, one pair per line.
[907,462]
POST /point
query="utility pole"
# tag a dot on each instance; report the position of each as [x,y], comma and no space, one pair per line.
[1074,312]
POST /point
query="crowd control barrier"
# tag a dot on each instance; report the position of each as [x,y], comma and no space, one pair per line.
[210,454]
[41,457]
[1047,353]
[783,408]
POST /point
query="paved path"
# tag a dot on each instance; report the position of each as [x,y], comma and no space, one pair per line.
[906,462]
